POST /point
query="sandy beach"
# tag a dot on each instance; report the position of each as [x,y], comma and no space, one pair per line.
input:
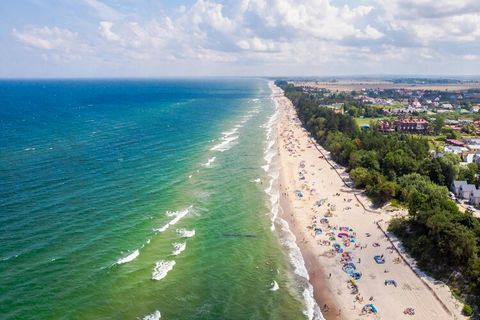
[339,234]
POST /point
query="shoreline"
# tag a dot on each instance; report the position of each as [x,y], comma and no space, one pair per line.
[317,276]
[306,167]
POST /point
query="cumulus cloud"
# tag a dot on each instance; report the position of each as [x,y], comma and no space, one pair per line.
[267,32]
[107,33]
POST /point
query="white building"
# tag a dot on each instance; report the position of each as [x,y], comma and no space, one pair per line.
[475,197]
[454,149]
[465,190]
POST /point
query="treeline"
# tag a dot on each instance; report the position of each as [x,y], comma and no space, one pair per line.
[352,106]
[399,166]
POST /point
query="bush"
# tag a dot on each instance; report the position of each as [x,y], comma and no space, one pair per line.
[467,310]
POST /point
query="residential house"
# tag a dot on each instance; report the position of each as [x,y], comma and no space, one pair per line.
[454,142]
[454,149]
[455,186]
[465,190]
[385,126]
[411,125]
[475,197]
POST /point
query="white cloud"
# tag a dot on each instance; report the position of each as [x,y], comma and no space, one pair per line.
[308,33]
[256,44]
[103,11]
[60,44]
[107,33]
[471,57]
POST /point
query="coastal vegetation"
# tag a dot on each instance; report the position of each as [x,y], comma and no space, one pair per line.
[399,167]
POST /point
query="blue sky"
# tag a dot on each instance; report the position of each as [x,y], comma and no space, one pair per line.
[155,38]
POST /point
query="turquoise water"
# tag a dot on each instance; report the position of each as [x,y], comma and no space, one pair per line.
[92,171]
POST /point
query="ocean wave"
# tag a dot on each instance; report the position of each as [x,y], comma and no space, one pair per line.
[209,162]
[231,132]
[161,269]
[226,144]
[154,316]
[130,257]
[10,257]
[270,167]
[178,248]
[177,216]
[184,233]
[312,310]
[274,286]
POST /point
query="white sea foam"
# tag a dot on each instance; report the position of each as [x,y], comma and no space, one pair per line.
[154,316]
[271,167]
[130,257]
[226,144]
[161,269]
[184,233]
[209,162]
[178,248]
[312,310]
[177,216]
[274,286]
[256,180]
[231,132]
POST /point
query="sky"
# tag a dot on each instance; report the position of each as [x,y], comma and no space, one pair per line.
[160,38]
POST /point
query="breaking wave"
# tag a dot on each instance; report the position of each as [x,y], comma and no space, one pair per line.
[154,316]
[161,269]
[132,256]
[177,216]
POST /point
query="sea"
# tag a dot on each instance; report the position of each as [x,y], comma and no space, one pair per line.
[144,199]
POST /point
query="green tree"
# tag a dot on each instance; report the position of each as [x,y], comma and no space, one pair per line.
[365,159]
[438,124]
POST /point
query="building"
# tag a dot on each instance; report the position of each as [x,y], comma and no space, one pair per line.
[455,187]
[454,149]
[475,198]
[465,190]
[385,126]
[454,142]
[469,157]
[411,125]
